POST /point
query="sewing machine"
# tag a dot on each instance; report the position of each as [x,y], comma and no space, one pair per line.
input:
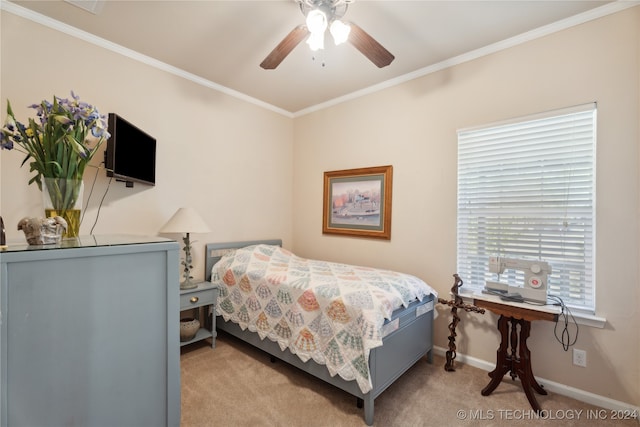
[535,279]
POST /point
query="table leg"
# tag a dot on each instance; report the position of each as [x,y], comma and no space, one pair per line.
[525,373]
[503,364]
[517,362]
[513,358]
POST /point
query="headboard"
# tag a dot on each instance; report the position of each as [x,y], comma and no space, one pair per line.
[215,251]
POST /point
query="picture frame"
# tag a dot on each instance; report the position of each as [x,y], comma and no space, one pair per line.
[357,202]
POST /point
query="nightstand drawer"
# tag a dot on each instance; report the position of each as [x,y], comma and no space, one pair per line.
[196,299]
[201,300]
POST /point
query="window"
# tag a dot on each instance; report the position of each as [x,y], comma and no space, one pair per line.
[526,189]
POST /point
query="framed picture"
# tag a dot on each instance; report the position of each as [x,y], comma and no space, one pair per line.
[357,202]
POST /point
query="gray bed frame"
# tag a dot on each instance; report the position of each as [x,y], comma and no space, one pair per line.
[411,339]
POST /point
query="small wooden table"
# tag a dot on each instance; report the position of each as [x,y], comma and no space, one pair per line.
[517,361]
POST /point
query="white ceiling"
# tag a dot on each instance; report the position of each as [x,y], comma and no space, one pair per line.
[221,43]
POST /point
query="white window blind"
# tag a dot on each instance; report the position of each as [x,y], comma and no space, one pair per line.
[526,189]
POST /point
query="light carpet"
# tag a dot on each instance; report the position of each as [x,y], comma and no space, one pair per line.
[236,384]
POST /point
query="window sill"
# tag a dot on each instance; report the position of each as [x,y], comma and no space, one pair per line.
[583,319]
[589,320]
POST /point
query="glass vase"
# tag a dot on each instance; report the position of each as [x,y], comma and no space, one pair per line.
[63,197]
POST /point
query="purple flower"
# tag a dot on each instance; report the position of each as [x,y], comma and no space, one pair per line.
[5,141]
[67,123]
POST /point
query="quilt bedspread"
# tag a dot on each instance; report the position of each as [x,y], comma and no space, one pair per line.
[329,312]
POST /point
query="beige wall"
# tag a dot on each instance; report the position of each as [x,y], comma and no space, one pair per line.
[413,127]
[210,159]
[210,147]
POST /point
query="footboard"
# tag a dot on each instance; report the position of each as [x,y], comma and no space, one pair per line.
[410,340]
[402,348]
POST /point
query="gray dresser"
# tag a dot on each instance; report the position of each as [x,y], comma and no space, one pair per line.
[89,333]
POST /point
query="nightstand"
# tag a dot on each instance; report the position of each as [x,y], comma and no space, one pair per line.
[202,300]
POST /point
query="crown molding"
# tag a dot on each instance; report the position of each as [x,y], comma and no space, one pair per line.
[132,54]
[599,12]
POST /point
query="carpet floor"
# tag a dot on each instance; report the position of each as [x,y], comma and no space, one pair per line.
[236,384]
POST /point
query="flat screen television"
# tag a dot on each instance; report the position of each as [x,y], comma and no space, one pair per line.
[131,153]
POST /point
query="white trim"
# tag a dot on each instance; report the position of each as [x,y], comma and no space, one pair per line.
[589,106]
[592,320]
[598,12]
[106,44]
[562,389]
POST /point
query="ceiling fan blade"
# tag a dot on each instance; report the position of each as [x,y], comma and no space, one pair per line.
[285,47]
[369,47]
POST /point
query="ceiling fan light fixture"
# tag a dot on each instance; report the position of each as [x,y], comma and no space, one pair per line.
[316,41]
[320,15]
[340,31]
[316,21]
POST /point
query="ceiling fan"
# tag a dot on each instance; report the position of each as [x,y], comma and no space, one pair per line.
[320,15]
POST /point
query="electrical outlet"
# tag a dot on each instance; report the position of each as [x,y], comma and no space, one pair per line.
[580,357]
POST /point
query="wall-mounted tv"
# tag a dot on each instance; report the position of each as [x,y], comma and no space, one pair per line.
[131,153]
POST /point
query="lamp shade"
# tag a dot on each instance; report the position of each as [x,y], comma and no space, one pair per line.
[185,220]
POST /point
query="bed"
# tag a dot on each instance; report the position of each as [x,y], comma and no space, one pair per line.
[392,339]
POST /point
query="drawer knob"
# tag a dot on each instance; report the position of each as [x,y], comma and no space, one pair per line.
[194,300]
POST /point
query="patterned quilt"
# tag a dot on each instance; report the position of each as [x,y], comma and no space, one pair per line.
[331,313]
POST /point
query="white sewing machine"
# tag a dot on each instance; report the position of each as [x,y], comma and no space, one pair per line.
[535,278]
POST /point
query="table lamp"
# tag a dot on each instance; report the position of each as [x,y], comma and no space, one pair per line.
[186,220]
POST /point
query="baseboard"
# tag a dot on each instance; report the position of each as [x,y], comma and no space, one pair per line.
[562,389]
